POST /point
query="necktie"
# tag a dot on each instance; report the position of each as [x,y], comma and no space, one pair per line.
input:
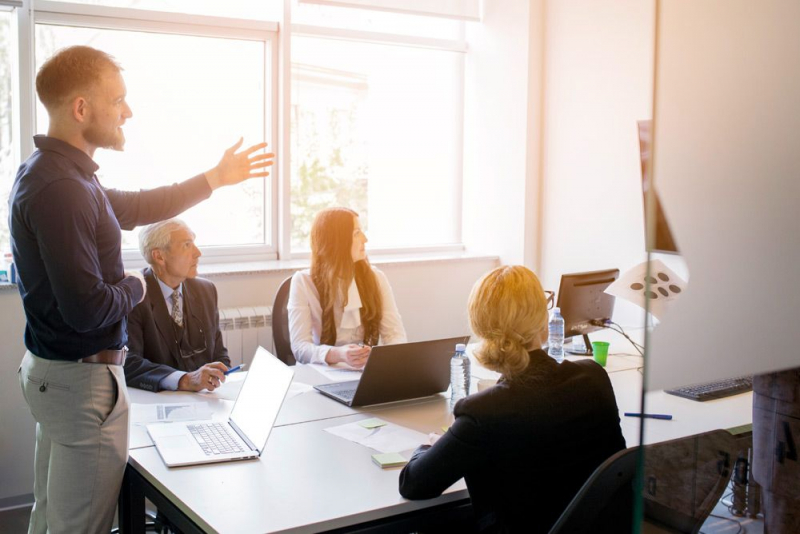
[177,313]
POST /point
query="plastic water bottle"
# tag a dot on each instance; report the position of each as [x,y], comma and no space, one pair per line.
[555,343]
[459,375]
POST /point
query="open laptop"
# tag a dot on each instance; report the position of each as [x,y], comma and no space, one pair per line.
[244,435]
[398,372]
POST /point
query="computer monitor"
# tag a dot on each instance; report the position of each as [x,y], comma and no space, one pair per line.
[585,305]
[664,242]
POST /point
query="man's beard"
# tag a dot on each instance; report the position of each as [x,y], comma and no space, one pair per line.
[114,140]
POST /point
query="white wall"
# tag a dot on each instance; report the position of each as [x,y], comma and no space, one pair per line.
[431,297]
[18,435]
[726,162]
[598,83]
[501,125]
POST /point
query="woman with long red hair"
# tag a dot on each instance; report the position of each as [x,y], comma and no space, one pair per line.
[342,305]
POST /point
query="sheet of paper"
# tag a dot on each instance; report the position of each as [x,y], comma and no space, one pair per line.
[138,437]
[298,388]
[662,288]
[337,373]
[229,390]
[143,414]
[387,438]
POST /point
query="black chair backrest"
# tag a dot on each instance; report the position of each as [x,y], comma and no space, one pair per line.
[280,324]
[683,480]
[604,504]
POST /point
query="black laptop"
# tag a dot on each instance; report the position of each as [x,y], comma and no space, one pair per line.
[398,372]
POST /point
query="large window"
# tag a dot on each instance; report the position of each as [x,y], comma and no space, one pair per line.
[376,126]
[8,154]
[191,97]
[374,114]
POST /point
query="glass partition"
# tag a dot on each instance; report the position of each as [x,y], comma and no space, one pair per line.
[721,383]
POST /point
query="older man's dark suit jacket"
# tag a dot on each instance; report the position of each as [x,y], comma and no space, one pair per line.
[524,446]
[153,342]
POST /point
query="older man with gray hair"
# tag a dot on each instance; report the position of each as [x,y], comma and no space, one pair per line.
[174,339]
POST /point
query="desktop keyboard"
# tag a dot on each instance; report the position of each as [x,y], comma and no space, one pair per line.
[714,390]
[214,438]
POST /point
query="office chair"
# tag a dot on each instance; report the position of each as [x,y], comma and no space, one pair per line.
[683,480]
[604,504]
[280,324]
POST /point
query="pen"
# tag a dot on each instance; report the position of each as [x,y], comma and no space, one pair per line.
[234,369]
[666,417]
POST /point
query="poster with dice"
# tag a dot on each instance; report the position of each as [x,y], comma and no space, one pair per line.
[662,287]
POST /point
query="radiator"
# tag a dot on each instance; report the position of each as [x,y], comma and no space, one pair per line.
[244,329]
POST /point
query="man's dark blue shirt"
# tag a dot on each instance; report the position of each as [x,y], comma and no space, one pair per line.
[66,241]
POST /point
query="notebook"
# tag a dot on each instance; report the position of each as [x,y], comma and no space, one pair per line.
[398,372]
[244,435]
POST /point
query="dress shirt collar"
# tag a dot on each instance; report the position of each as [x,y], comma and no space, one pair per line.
[351,316]
[168,291]
[77,156]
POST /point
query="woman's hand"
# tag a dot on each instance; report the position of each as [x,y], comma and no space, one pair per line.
[353,355]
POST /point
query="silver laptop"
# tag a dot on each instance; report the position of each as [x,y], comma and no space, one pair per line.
[244,435]
[398,372]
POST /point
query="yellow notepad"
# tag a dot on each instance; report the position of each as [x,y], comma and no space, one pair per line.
[389,459]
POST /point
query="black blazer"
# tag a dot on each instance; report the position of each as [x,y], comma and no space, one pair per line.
[524,446]
[153,341]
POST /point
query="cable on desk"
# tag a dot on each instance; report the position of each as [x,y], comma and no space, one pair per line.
[611,325]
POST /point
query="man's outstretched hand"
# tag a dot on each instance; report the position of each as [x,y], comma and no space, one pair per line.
[235,168]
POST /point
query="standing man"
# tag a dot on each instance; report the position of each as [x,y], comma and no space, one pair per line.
[65,231]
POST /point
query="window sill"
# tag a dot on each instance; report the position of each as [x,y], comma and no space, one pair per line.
[215,270]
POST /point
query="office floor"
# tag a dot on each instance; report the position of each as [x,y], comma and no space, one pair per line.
[15,521]
[721,522]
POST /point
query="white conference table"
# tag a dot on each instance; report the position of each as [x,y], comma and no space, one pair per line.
[308,480]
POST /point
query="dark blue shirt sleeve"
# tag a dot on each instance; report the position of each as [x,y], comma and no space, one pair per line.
[136,208]
[67,236]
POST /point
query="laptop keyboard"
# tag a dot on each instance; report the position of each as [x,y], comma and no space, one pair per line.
[347,393]
[214,439]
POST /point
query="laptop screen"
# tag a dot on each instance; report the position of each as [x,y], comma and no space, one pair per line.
[261,397]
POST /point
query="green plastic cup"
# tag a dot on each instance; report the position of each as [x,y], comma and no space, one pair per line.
[600,351]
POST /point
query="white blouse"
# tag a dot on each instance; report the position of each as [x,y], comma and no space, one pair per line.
[305,318]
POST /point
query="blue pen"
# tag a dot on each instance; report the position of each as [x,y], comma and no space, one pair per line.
[663,416]
[234,369]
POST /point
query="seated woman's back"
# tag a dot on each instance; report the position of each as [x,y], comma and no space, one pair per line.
[524,446]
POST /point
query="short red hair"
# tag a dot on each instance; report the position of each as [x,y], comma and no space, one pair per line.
[71,71]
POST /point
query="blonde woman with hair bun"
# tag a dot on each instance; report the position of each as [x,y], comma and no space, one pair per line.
[526,445]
